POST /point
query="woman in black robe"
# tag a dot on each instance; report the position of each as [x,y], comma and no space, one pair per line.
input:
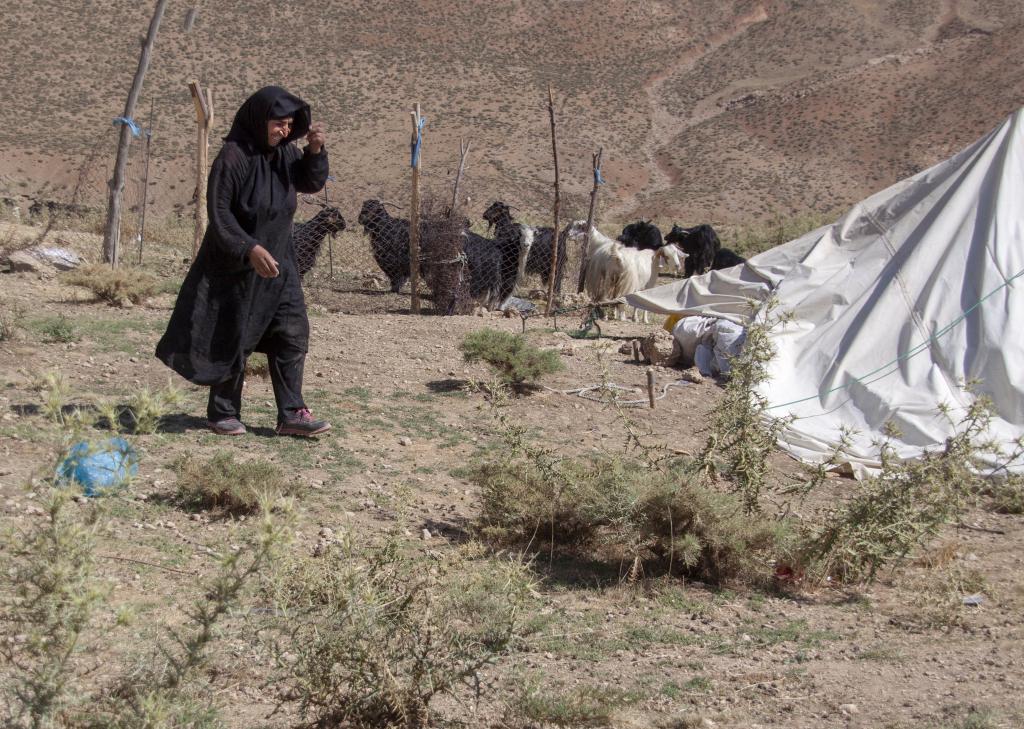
[243,293]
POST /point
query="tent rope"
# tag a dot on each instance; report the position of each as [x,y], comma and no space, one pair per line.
[913,351]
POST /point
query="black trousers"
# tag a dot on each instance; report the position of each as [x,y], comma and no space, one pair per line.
[285,342]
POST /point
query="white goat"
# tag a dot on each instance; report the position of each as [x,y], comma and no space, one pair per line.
[614,269]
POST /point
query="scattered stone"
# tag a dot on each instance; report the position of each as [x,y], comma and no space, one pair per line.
[848,709]
[405,441]
[692,375]
[25,262]
[973,600]
[425,534]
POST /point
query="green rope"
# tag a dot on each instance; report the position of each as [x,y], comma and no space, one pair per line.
[923,346]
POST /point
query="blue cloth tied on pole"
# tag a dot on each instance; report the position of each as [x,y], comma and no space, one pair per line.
[130,123]
[598,180]
[419,141]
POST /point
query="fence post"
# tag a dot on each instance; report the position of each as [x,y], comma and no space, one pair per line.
[145,179]
[554,247]
[414,215]
[112,231]
[598,180]
[204,120]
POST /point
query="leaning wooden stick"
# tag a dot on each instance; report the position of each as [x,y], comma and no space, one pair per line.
[554,252]
[414,215]
[650,386]
[590,220]
[204,120]
[463,154]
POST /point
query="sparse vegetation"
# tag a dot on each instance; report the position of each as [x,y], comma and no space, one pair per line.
[49,600]
[369,640]
[222,484]
[12,317]
[118,286]
[515,361]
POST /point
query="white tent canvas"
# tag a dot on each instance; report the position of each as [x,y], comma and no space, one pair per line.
[913,293]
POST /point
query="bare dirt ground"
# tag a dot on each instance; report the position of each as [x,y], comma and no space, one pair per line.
[902,653]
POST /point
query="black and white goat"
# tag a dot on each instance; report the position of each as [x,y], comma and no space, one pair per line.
[703,249]
[495,264]
[537,243]
[389,241]
[614,269]
[308,237]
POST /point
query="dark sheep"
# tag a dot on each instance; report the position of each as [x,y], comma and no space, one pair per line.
[309,236]
[389,241]
[642,235]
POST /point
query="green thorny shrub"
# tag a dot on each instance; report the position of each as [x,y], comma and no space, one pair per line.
[618,508]
[48,600]
[221,484]
[169,690]
[118,286]
[369,640]
[515,361]
[906,504]
[741,436]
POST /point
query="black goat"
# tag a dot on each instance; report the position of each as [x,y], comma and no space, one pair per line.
[309,236]
[538,242]
[642,235]
[703,249]
[495,264]
[389,241]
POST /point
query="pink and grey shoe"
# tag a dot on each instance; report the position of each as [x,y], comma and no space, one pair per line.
[302,423]
[227,426]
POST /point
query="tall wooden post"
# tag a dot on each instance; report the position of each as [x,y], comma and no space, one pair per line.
[584,254]
[414,215]
[204,120]
[145,179]
[554,252]
[112,231]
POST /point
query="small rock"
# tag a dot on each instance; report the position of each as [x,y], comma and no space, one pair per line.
[405,441]
[425,534]
[848,709]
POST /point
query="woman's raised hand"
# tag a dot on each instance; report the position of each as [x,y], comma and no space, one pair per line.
[315,137]
[263,262]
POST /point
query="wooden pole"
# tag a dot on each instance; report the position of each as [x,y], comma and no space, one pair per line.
[463,153]
[145,178]
[414,215]
[590,220]
[204,120]
[330,238]
[554,252]
[112,231]
[650,386]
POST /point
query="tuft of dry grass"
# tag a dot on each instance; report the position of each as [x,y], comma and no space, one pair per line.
[222,484]
[117,286]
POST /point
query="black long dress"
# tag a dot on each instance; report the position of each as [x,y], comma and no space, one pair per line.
[225,311]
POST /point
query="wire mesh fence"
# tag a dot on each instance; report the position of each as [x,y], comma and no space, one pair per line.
[482,242]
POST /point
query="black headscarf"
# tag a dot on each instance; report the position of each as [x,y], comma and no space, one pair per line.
[270,102]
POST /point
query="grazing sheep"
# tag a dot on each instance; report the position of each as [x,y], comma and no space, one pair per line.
[703,249]
[538,253]
[308,237]
[389,241]
[614,269]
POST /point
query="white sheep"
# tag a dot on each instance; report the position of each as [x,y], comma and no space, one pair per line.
[614,269]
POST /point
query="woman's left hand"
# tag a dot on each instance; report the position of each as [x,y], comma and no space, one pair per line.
[315,137]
